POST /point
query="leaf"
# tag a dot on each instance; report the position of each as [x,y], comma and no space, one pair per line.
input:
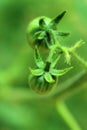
[57,19]
[48,78]
[60,72]
[38,60]
[36,72]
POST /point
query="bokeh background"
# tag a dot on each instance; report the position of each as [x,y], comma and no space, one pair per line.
[20,108]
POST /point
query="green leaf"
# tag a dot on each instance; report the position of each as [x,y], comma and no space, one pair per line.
[38,60]
[36,72]
[48,77]
[57,19]
[60,72]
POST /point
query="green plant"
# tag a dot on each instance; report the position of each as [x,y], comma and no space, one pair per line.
[42,32]
[43,35]
[45,77]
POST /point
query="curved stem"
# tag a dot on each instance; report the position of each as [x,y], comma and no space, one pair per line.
[82,61]
[67,116]
[71,86]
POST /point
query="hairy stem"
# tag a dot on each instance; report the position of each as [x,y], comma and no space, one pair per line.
[67,116]
[71,86]
[51,53]
[82,61]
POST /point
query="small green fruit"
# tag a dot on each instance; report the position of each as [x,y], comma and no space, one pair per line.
[42,32]
[37,34]
[40,85]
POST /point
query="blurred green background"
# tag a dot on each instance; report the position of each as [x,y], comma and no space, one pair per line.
[20,108]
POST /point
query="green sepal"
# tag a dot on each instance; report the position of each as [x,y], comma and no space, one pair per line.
[78,44]
[64,34]
[38,60]
[54,61]
[42,23]
[41,36]
[36,72]
[67,57]
[60,72]
[48,77]
[57,19]
[37,34]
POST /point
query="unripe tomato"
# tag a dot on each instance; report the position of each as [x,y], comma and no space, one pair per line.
[40,33]
[40,85]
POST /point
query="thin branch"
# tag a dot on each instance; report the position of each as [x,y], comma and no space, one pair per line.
[67,116]
[82,61]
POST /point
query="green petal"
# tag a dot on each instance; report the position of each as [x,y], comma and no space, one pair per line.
[60,72]
[48,77]
[38,60]
[36,72]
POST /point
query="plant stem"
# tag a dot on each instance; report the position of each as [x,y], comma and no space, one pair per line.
[82,61]
[67,116]
[71,86]
[51,53]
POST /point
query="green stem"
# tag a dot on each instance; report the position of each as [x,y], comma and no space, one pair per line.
[51,53]
[82,61]
[67,116]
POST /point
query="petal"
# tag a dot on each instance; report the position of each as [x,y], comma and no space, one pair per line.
[48,77]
